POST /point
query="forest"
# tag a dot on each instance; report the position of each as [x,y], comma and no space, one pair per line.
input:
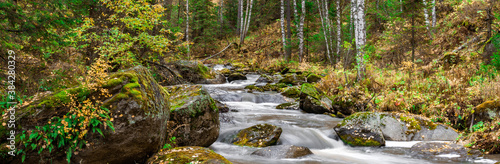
[250,81]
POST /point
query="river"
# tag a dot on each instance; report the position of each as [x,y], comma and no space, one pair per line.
[314,131]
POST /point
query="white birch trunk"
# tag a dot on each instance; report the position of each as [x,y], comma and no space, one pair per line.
[301,30]
[249,18]
[339,26]
[401,6]
[426,15]
[360,37]
[242,25]
[329,27]
[295,14]
[283,24]
[324,31]
[187,26]
[433,13]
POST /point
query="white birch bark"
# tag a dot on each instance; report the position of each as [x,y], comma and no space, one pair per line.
[433,13]
[283,24]
[339,26]
[249,18]
[329,27]
[295,14]
[187,26]
[360,31]
[401,6]
[301,30]
[242,26]
[324,31]
[426,15]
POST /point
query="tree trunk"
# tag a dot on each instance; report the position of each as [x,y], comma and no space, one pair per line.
[320,8]
[249,19]
[295,14]
[239,20]
[289,30]
[339,26]
[329,30]
[433,13]
[187,26]
[283,25]
[413,37]
[360,37]
[221,8]
[426,15]
[301,30]
[244,24]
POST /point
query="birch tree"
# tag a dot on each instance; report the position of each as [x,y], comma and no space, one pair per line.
[360,35]
[426,15]
[339,26]
[301,30]
[325,30]
[246,22]
[283,24]
[187,26]
[239,20]
[433,13]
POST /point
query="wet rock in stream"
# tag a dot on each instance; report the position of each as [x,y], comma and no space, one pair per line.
[283,151]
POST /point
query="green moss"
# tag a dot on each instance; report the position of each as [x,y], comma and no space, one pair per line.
[414,123]
[284,105]
[64,97]
[360,141]
[186,155]
[310,90]
[313,78]
[291,92]
[253,87]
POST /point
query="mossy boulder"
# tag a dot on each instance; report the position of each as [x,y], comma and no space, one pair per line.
[392,127]
[361,130]
[288,106]
[188,154]
[225,72]
[313,78]
[260,135]
[292,79]
[252,88]
[236,76]
[441,151]
[312,100]
[283,151]
[274,87]
[265,79]
[186,71]
[194,115]
[487,111]
[139,110]
[292,92]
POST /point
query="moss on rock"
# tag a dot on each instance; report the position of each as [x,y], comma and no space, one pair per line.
[184,155]
[260,135]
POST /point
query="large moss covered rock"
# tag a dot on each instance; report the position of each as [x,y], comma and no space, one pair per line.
[185,71]
[314,101]
[487,111]
[194,116]
[191,154]
[313,78]
[139,110]
[260,135]
[236,76]
[283,151]
[391,126]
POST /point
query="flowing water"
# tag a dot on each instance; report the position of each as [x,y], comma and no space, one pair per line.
[314,131]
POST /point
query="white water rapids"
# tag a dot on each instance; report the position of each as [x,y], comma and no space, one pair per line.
[314,131]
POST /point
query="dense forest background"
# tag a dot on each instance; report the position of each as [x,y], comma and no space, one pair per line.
[436,58]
